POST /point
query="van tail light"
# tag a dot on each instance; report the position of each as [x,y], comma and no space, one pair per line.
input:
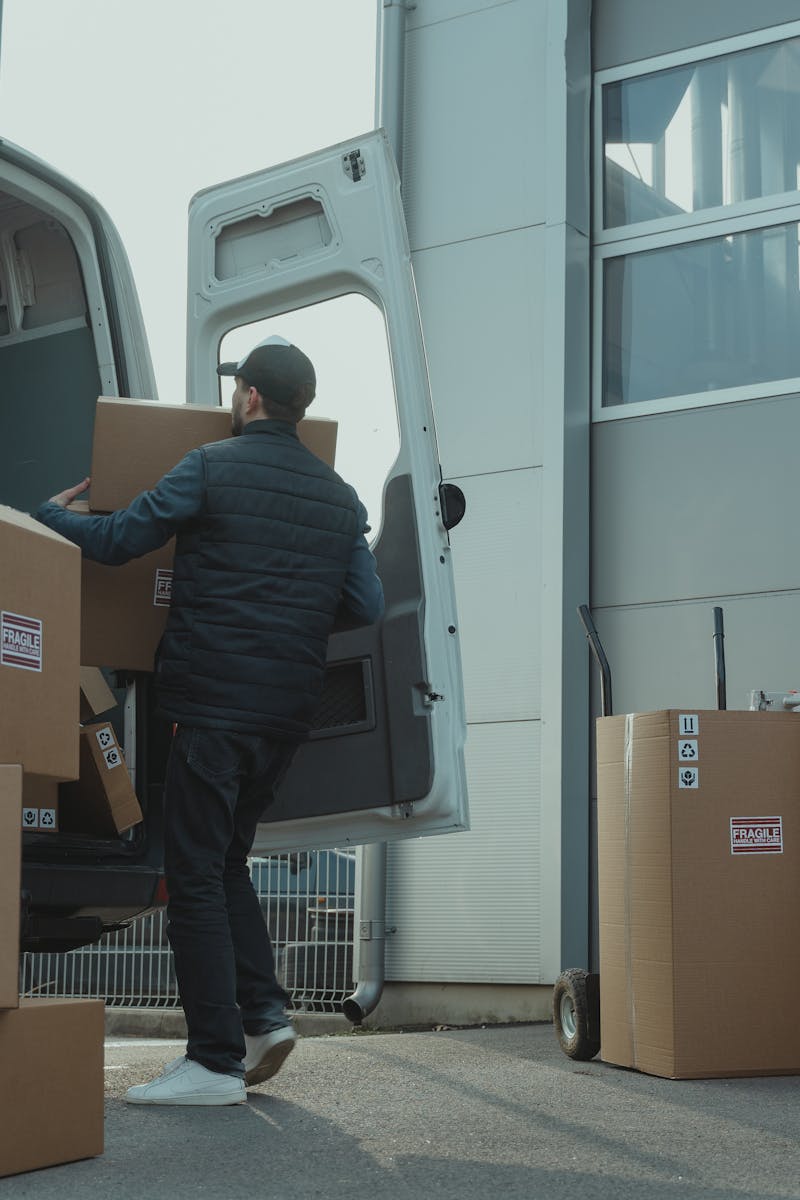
[162,895]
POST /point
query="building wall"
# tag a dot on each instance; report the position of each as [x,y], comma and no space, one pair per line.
[625,31]
[687,507]
[496,199]
[686,512]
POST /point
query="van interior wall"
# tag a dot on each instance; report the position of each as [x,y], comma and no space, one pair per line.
[49,376]
[48,390]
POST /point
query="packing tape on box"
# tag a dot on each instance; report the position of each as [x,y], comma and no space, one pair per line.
[627,790]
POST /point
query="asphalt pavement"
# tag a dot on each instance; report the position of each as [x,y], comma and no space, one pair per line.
[494,1113]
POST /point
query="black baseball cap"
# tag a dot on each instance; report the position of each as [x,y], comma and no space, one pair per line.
[277,370]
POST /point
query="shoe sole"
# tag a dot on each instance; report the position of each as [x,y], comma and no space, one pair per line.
[196,1100]
[270,1063]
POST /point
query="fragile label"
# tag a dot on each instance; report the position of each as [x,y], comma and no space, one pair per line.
[162,592]
[20,642]
[687,750]
[688,777]
[756,835]
[688,724]
[30,818]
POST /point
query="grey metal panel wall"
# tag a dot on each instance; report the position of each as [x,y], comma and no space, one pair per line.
[662,655]
[624,31]
[686,503]
[693,509]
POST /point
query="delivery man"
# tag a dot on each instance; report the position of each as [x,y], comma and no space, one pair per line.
[270,549]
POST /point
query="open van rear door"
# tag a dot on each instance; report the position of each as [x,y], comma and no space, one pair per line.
[386,757]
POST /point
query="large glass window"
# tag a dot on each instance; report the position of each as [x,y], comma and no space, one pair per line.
[697,246]
[706,315]
[698,136]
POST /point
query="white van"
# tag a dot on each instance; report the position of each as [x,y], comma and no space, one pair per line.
[386,758]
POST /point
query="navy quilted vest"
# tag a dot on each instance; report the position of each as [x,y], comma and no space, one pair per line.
[258,580]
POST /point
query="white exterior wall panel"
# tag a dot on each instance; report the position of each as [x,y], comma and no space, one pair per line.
[469,907]
[485,164]
[473,147]
[484,357]
[497,567]
[434,11]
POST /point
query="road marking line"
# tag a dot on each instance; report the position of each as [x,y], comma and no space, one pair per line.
[135,1043]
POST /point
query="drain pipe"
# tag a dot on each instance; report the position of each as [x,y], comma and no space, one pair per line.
[390,84]
[372,901]
[371,934]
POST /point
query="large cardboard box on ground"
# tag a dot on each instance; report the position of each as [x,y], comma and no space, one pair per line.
[10,872]
[103,802]
[51,1083]
[699,892]
[40,594]
[124,609]
[138,441]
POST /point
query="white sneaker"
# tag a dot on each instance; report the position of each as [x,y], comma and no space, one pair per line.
[187,1082]
[266,1053]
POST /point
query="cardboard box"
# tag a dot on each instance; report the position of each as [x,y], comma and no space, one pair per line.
[96,696]
[51,1083]
[39,647]
[138,441]
[10,873]
[103,802]
[124,609]
[699,892]
[39,804]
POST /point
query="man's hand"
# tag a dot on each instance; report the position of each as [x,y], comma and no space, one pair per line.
[65,498]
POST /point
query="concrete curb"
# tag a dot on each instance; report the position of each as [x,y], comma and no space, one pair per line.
[170,1023]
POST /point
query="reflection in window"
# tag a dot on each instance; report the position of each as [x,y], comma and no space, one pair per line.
[718,313]
[346,340]
[695,137]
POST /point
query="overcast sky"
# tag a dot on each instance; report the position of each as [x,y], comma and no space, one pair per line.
[144,102]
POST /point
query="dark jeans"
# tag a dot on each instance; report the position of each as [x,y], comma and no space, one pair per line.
[218,784]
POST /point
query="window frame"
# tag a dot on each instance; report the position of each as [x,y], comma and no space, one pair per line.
[624,241]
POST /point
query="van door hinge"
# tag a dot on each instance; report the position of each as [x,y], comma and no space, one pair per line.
[353,163]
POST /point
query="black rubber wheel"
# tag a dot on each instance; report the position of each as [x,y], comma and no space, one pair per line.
[576,1014]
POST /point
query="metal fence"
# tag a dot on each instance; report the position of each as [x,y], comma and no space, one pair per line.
[308,902]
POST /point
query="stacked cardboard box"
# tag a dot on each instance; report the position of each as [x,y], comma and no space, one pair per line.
[51,1083]
[39,804]
[39,663]
[103,801]
[699,892]
[39,688]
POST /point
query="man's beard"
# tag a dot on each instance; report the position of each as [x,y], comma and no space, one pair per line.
[237,425]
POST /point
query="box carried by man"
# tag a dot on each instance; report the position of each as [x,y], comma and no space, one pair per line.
[138,441]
